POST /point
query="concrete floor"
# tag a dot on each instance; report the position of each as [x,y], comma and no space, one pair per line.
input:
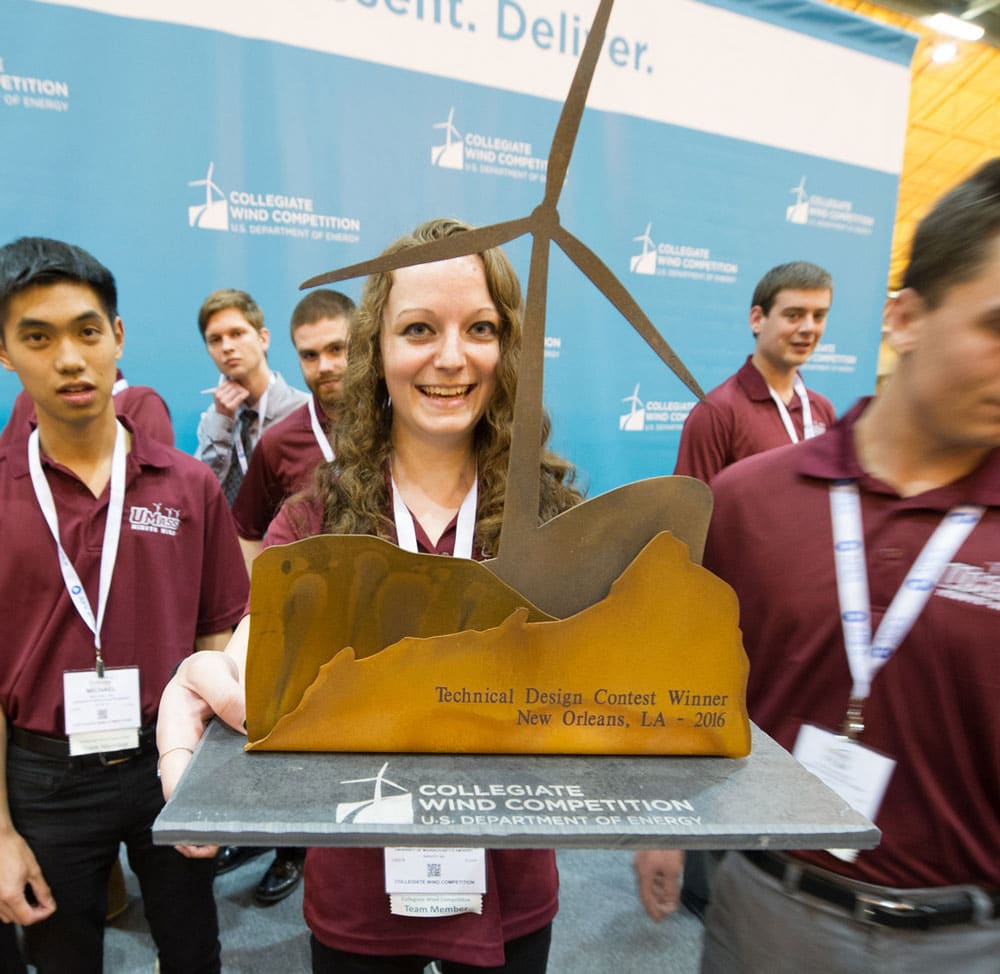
[600,928]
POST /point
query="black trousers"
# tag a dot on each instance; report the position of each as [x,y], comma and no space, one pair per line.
[10,953]
[524,955]
[73,816]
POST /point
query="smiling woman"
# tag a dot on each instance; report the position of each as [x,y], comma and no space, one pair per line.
[421,457]
[434,358]
[440,350]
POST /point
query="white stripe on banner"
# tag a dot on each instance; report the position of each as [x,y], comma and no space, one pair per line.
[675,61]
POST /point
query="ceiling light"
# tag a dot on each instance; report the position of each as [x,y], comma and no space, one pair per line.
[944,52]
[964,30]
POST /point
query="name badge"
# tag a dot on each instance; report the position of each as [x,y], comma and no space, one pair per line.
[855,772]
[102,713]
[435,882]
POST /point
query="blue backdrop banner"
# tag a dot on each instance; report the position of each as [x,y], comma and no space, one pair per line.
[198,144]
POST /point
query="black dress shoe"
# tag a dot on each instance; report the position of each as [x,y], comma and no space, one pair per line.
[282,876]
[230,857]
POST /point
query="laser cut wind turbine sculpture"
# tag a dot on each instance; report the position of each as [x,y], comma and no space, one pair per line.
[598,538]
[353,639]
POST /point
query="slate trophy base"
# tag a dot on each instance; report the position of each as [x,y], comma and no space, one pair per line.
[767,800]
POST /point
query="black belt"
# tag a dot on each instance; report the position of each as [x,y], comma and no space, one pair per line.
[58,747]
[888,908]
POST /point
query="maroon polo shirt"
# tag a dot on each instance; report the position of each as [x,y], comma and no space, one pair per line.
[281,464]
[141,404]
[179,574]
[345,902]
[739,419]
[934,706]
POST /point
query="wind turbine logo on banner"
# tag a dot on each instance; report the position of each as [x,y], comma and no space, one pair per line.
[451,155]
[214,214]
[635,419]
[602,536]
[644,263]
[798,212]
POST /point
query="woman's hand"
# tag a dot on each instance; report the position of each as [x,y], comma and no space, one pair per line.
[206,684]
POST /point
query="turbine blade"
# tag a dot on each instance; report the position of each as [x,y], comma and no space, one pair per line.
[460,245]
[601,276]
[564,139]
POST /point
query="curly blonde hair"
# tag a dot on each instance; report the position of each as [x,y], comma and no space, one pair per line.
[353,488]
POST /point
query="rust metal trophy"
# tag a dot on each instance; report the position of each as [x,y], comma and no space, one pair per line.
[596,632]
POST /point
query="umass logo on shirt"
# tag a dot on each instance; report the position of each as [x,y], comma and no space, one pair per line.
[158,519]
[977,585]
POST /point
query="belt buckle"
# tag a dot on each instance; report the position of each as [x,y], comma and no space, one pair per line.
[874,909]
[110,762]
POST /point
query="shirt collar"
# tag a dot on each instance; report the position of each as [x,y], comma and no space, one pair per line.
[755,385]
[144,452]
[832,457]
[321,415]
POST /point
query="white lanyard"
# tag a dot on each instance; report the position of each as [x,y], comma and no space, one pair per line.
[425,903]
[109,547]
[241,450]
[865,655]
[808,429]
[465,529]
[321,438]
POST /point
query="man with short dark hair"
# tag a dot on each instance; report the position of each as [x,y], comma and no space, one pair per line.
[147,412]
[765,404]
[289,451]
[249,396]
[870,610]
[121,558]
